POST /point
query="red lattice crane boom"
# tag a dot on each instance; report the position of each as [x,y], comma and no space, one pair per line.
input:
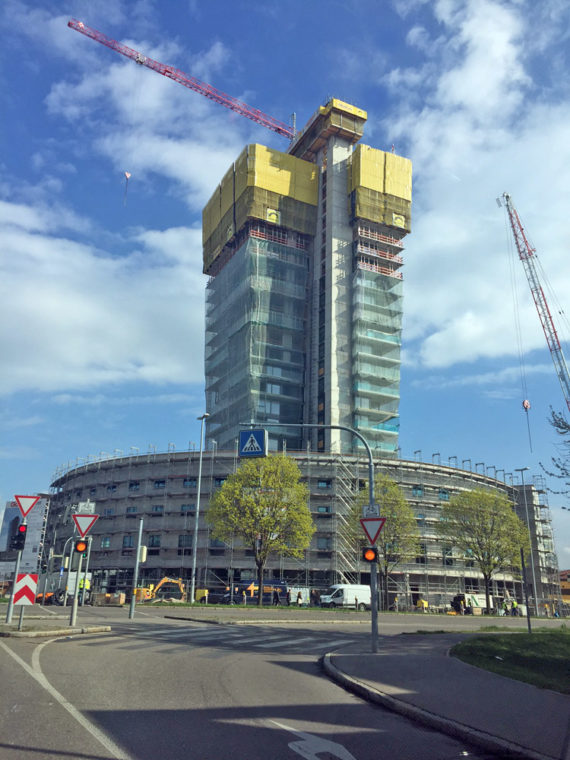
[188,81]
[527,256]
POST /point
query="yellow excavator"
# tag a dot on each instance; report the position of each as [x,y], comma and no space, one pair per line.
[166,588]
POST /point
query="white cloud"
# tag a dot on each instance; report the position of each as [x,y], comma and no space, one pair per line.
[83,318]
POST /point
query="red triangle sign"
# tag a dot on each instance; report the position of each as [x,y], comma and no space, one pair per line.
[372,527]
[25,503]
[85,523]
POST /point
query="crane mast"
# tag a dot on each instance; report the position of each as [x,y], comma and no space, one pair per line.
[527,256]
[188,81]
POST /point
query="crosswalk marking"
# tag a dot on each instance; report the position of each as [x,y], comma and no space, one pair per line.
[278,641]
[231,636]
[338,643]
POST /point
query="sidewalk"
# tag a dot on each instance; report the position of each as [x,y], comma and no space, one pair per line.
[414,675]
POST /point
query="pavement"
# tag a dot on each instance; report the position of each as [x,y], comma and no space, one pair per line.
[415,676]
[411,674]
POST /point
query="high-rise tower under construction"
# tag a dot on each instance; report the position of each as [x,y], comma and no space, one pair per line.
[304,301]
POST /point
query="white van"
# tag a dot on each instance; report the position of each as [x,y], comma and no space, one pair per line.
[347,595]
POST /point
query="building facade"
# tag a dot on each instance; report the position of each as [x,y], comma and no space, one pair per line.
[161,489]
[304,301]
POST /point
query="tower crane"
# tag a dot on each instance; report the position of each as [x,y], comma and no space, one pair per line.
[188,81]
[527,256]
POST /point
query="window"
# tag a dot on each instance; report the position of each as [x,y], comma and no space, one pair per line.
[160,484]
[215,543]
[134,485]
[219,481]
[273,388]
[111,487]
[189,483]
[324,509]
[443,494]
[157,509]
[187,509]
[417,491]
[105,542]
[421,557]
[324,484]
[109,512]
[324,544]
[184,541]
[131,511]
[128,542]
[92,491]
[154,540]
[447,556]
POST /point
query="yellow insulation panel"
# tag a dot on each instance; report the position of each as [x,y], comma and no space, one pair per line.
[340,105]
[398,176]
[227,191]
[367,168]
[278,173]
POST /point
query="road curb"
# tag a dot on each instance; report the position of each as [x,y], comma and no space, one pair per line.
[56,632]
[418,714]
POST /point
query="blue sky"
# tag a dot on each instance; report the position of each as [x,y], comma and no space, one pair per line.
[103,301]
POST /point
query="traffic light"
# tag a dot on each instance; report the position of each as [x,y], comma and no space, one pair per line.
[370,554]
[81,546]
[19,538]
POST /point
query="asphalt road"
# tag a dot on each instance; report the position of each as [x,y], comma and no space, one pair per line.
[173,688]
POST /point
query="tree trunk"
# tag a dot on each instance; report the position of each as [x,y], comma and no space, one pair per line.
[487,594]
[260,568]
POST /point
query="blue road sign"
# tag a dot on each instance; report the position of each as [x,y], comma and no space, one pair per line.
[253,443]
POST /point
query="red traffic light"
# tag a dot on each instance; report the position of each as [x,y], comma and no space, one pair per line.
[369,554]
[81,545]
[19,538]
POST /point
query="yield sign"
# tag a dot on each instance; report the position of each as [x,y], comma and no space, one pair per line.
[25,588]
[25,503]
[85,523]
[372,527]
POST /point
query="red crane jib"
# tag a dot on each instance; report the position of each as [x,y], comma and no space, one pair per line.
[188,81]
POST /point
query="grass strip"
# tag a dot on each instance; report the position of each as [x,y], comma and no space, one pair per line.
[541,658]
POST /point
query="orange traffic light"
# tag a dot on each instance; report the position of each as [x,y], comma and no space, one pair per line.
[369,554]
[81,545]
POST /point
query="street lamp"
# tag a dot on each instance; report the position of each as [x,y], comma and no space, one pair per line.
[195,538]
[521,470]
[371,505]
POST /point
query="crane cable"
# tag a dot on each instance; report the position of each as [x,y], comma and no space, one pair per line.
[513,268]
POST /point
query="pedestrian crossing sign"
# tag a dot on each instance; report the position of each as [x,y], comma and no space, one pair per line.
[253,443]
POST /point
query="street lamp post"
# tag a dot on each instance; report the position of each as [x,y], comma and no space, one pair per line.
[522,470]
[197,516]
[374,567]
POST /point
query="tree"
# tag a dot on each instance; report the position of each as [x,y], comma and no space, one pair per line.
[484,527]
[561,464]
[399,538]
[265,505]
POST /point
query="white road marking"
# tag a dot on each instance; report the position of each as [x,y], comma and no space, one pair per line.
[289,640]
[311,746]
[337,643]
[36,672]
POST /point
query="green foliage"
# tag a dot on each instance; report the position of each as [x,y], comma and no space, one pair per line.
[264,504]
[541,659]
[484,526]
[399,538]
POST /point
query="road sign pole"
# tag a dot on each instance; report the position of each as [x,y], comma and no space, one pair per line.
[10,610]
[73,616]
[136,572]
[21,620]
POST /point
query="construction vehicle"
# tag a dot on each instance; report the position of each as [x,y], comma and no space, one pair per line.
[166,588]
